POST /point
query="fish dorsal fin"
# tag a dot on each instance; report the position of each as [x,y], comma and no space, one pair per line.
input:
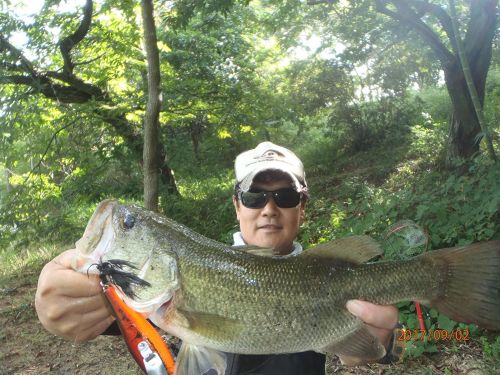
[194,359]
[353,249]
[256,250]
[357,347]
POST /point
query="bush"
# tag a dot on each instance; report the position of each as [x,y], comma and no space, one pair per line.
[204,205]
[360,126]
[453,209]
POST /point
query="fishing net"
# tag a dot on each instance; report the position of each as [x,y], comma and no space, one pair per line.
[404,240]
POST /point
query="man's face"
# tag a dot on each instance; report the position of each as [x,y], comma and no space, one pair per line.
[270,226]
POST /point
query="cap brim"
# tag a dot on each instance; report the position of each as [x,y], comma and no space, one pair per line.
[246,183]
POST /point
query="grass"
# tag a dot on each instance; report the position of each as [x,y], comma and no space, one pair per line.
[22,265]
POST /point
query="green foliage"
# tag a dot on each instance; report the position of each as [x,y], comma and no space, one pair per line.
[387,121]
[491,350]
[437,103]
[436,201]
[430,340]
[205,205]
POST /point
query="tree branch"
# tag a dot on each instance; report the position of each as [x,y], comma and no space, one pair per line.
[47,149]
[91,60]
[75,90]
[406,15]
[64,87]
[315,2]
[67,44]
[44,86]
[79,84]
[480,29]
[444,19]
[25,63]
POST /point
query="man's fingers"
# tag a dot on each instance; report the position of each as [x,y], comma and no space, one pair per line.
[93,325]
[71,283]
[72,260]
[84,305]
[380,316]
[78,284]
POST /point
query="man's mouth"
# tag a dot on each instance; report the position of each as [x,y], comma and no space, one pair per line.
[270,226]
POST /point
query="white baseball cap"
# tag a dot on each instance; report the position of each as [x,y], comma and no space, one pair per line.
[268,156]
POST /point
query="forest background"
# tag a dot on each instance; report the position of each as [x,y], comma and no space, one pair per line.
[370,94]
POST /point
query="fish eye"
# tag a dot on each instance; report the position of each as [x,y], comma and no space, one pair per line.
[128,221]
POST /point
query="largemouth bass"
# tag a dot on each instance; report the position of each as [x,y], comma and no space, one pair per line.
[222,299]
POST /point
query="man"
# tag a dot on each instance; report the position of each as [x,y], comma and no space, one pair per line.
[270,198]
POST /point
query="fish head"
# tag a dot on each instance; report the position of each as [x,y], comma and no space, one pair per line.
[132,237]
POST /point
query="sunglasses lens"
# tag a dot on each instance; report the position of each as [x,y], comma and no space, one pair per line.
[284,198]
[253,200]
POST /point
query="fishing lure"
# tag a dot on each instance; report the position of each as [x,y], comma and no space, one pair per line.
[138,333]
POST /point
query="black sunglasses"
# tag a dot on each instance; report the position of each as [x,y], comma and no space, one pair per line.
[284,198]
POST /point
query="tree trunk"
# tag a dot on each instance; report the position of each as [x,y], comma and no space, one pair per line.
[465,130]
[167,177]
[7,175]
[195,129]
[151,117]
[464,127]
[478,107]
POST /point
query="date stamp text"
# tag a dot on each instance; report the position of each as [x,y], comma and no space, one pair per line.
[433,334]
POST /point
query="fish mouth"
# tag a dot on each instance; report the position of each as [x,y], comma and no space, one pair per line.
[98,243]
[98,236]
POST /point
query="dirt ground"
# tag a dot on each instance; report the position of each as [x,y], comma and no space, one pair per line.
[26,348]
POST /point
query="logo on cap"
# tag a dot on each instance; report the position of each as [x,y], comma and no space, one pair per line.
[269,155]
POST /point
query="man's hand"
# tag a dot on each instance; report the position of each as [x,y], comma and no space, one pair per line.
[71,304]
[380,320]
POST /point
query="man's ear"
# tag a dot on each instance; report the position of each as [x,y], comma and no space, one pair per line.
[302,211]
[236,204]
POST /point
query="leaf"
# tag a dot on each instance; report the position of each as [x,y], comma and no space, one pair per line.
[446,323]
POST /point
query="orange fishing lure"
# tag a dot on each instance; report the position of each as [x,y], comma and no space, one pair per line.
[135,329]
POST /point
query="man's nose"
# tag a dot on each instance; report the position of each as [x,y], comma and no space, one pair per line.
[270,209]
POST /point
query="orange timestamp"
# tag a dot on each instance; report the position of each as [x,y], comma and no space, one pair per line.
[433,334]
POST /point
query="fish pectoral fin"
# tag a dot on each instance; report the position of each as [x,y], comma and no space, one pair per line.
[256,250]
[353,249]
[208,325]
[197,360]
[358,347]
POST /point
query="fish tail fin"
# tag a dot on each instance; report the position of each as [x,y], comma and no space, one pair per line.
[470,289]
